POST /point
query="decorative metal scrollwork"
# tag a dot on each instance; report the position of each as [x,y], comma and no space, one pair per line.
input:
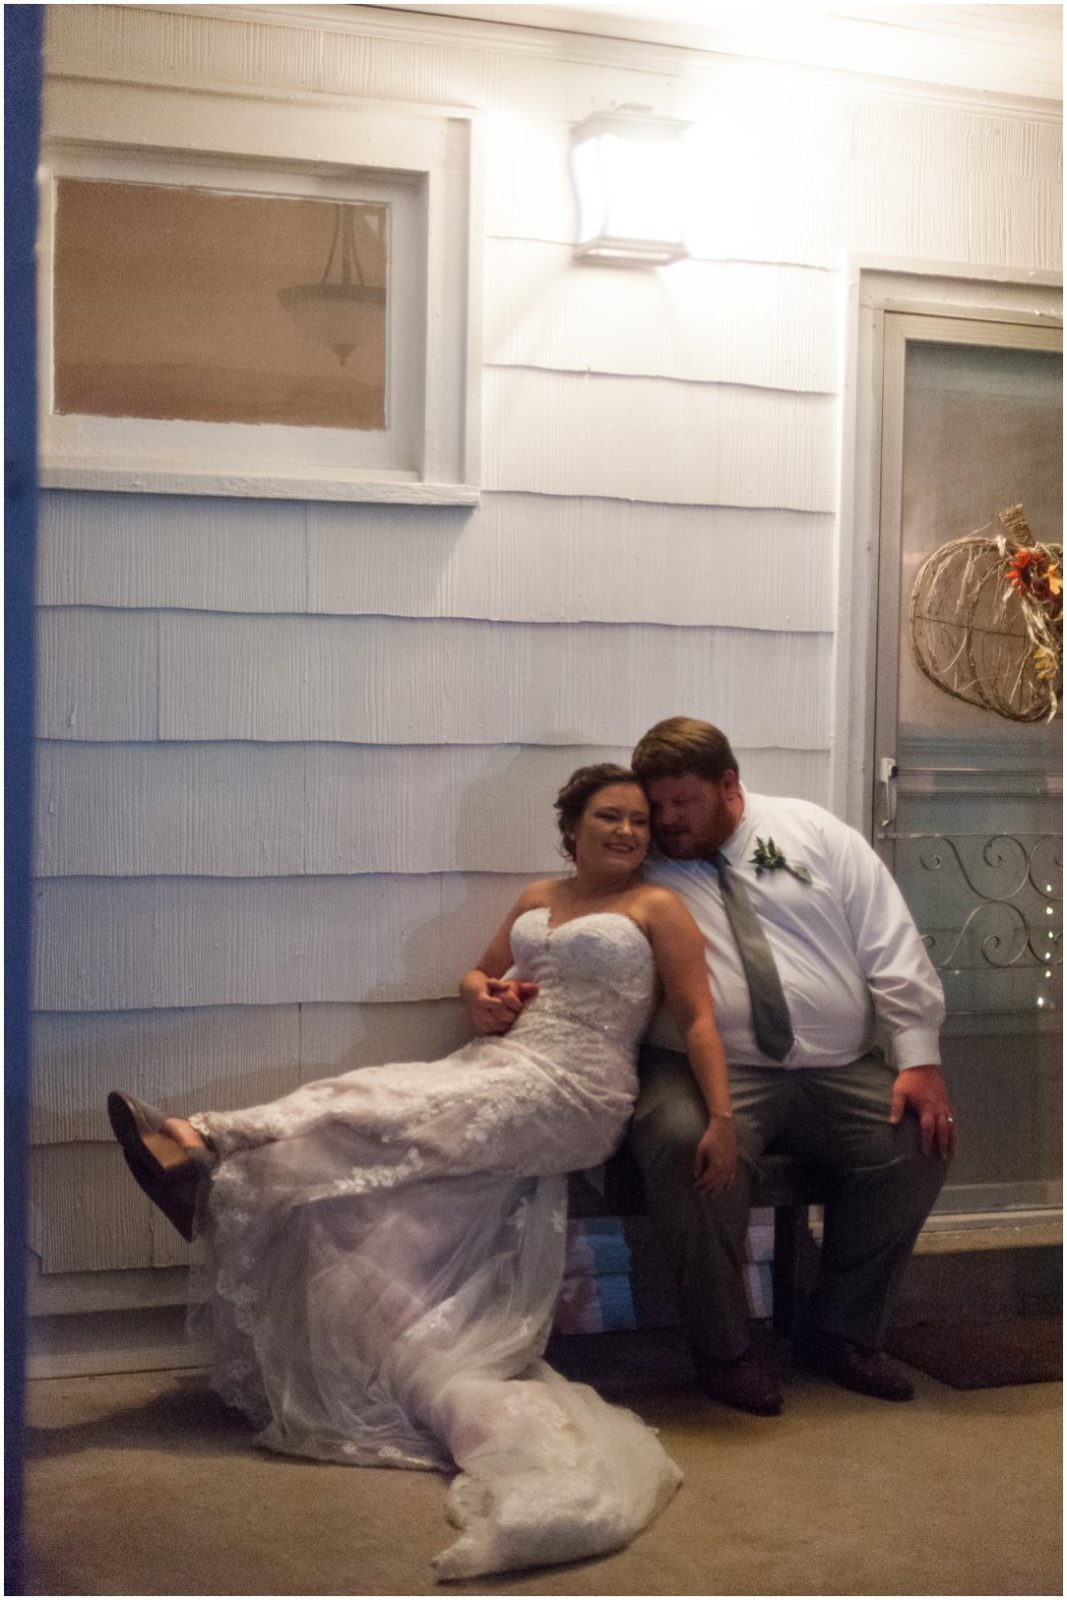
[999,929]
[1002,946]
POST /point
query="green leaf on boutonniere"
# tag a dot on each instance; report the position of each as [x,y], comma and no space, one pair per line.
[768,858]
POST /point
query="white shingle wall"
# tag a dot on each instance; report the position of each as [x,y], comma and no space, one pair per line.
[297,759]
[230,810]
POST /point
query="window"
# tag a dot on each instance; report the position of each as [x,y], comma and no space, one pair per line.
[182,304]
[240,318]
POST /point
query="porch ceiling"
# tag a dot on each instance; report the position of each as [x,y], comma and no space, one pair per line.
[1009,49]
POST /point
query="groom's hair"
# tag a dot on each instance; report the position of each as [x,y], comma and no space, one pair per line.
[681,746]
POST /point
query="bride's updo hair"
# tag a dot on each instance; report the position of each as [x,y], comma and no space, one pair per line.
[577,792]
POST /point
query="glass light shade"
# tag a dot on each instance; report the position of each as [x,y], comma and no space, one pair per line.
[341,315]
[344,312]
[630,182]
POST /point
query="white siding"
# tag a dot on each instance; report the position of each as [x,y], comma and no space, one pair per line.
[955,216]
[243,810]
[517,558]
[710,322]
[912,138]
[217,1058]
[203,809]
[122,944]
[160,550]
[535,558]
[180,1060]
[83,1216]
[340,1038]
[385,681]
[98,675]
[344,55]
[658,440]
[297,758]
[86,1215]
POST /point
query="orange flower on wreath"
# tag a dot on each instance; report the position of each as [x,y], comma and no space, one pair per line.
[1031,572]
[1020,578]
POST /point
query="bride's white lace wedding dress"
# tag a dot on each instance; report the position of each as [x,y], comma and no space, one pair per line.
[383,1252]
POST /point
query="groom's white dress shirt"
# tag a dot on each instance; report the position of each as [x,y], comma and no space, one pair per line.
[853,967]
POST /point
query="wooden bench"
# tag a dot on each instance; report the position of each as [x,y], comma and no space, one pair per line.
[786,1184]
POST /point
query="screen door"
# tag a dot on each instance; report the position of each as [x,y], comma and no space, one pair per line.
[967,760]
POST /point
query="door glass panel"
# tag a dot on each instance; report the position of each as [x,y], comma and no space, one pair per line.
[975,843]
[982,432]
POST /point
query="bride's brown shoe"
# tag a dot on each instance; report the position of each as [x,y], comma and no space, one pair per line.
[169,1173]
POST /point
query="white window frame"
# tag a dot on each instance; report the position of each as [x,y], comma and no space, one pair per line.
[423,162]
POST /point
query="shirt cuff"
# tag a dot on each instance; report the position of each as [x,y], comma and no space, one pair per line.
[916,1047]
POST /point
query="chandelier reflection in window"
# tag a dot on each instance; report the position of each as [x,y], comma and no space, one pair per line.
[342,310]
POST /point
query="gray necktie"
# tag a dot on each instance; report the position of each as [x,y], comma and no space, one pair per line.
[770,1013]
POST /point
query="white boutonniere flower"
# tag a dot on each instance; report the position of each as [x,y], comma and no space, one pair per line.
[768,858]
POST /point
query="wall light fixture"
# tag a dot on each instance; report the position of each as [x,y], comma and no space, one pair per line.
[630,182]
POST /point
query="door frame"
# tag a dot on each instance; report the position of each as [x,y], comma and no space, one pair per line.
[874,286]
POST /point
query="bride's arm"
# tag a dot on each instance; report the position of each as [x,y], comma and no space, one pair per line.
[678,948]
[493,1004]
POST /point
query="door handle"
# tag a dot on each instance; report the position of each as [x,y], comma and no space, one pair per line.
[887,773]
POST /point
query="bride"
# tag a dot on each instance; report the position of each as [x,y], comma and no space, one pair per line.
[382,1250]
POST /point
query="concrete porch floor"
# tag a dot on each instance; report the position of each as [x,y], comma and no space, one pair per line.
[144,1483]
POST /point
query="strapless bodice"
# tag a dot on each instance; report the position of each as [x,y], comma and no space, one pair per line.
[595,973]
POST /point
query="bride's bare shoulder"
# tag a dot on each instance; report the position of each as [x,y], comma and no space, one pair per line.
[542,892]
[655,896]
[654,905]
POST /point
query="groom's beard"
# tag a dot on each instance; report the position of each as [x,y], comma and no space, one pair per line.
[683,847]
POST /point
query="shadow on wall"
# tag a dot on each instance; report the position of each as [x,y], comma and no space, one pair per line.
[506,823]
[505,836]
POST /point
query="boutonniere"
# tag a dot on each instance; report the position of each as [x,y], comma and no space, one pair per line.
[768,858]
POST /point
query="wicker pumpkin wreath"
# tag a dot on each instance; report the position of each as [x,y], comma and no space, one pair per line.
[986,619]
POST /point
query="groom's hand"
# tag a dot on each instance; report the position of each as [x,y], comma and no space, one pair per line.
[716,1157]
[923,1090]
[494,1007]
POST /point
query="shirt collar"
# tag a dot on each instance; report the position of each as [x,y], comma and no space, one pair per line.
[737,845]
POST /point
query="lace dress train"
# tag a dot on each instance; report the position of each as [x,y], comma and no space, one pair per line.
[383,1250]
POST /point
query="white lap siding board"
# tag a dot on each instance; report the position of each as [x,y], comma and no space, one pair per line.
[518,558]
[296,759]
[230,810]
[126,944]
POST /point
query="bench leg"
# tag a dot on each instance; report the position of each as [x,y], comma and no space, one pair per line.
[789,1221]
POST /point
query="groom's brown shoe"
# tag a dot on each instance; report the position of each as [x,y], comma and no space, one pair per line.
[743,1384]
[863,1371]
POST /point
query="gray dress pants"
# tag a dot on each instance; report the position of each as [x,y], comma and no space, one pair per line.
[883,1190]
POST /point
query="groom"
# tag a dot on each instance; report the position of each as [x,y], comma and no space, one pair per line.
[816,969]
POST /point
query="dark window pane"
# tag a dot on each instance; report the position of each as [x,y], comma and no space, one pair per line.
[197,305]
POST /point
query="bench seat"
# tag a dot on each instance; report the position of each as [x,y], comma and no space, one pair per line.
[786,1184]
